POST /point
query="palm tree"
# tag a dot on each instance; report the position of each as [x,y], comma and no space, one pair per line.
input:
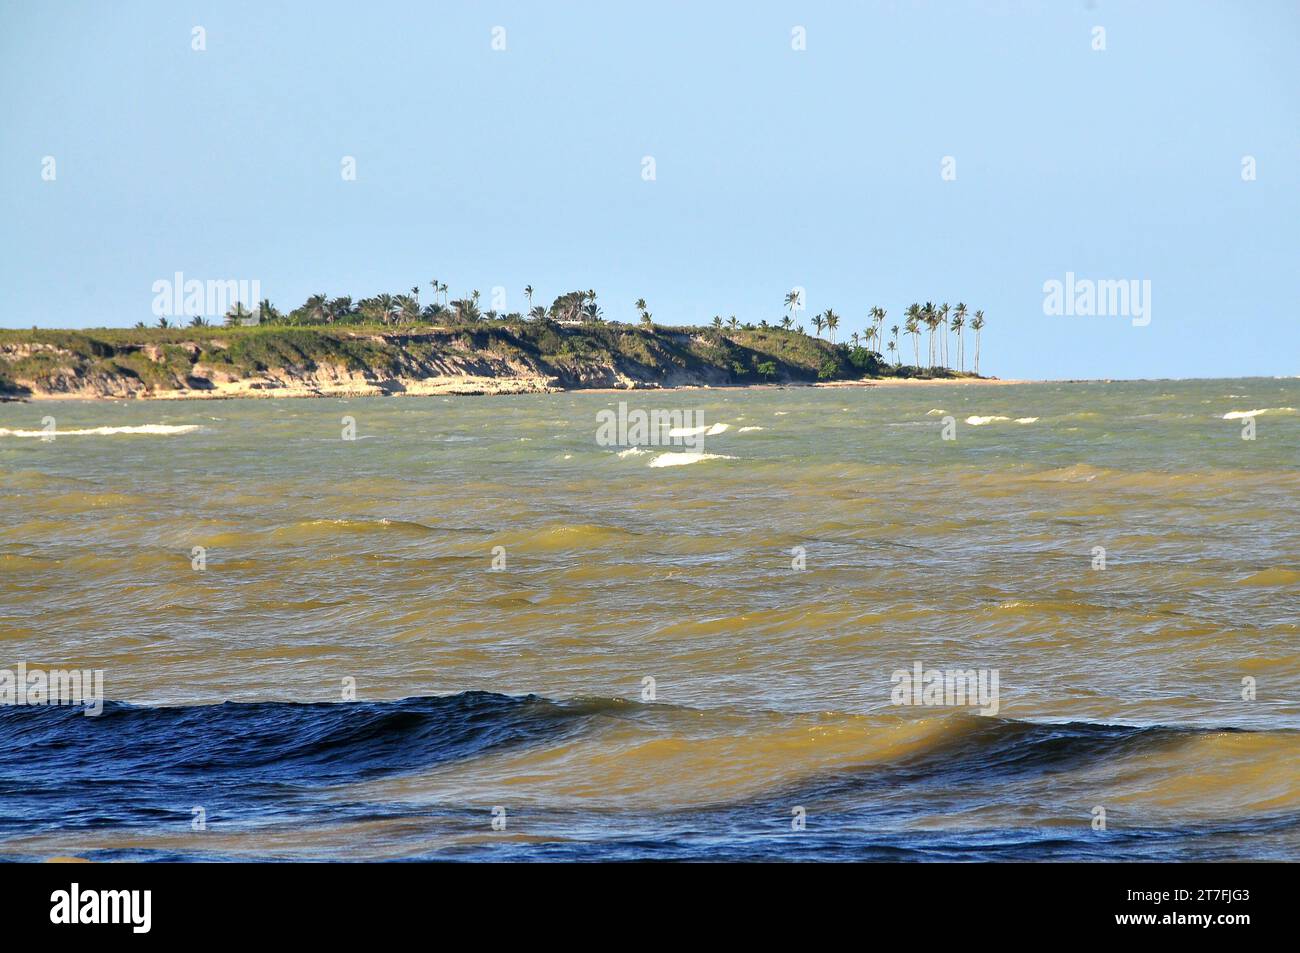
[792,301]
[877,314]
[959,322]
[537,313]
[854,338]
[912,323]
[943,340]
[977,325]
[929,318]
[819,322]
[647,320]
[528,293]
[267,311]
[732,323]
[386,306]
[434,285]
[832,322]
[235,315]
[318,307]
[894,332]
[892,348]
[717,321]
[408,308]
[787,322]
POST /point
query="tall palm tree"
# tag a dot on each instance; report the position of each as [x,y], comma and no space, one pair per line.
[434,285]
[912,324]
[930,318]
[832,322]
[943,336]
[787,322]
[977,325]
[717,321]
[387,306]
[894,332]
[877,322]
[528,293]
[892,349]
[819,322]
[854,338]
[959,322]
[732,323]
[792,301]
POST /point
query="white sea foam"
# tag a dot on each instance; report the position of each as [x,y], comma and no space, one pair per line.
[696,431]
[682,459]
[1026,420]
[936,412]
[633,452]
[748,429]
[1239,414]
[154,429]
[981,421]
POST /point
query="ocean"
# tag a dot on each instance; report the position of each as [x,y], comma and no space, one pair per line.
[465,628]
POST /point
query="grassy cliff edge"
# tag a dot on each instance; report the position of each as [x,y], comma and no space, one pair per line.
[473,357]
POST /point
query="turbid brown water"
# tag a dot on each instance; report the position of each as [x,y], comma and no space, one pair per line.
[771,588]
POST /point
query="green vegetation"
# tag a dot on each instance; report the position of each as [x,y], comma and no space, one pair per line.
[393,336]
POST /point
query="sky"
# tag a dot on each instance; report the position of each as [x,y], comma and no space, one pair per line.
[958,151]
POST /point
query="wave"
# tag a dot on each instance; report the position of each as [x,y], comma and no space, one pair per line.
[1275,576]
[684,459]
[329,742]
[1239,414]
[705,430]
[307,766]
[261,755]
[977,421]
[152,429]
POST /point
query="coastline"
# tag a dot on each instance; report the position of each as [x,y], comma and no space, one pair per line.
[474,358]
[472,386]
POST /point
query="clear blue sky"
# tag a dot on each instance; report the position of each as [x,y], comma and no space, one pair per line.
[775,168]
